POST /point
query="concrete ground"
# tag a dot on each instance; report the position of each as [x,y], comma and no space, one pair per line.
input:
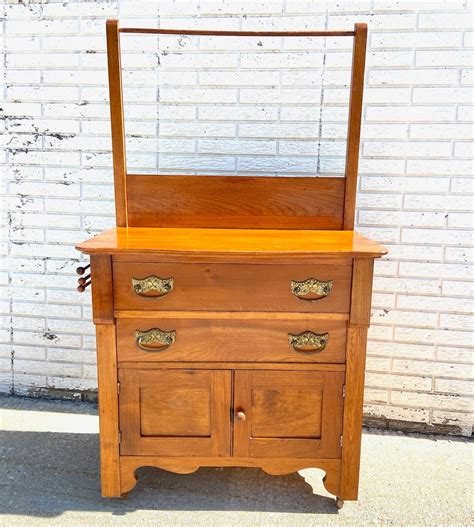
[49,476]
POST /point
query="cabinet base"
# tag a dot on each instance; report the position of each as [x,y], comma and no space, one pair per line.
[187,465]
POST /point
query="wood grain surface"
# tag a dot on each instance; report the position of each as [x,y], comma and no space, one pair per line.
[354,124]
[177,412]
[117,121]
[228,242]
[189,464]
[231,340]
[102,289]
[232,287]
[230,390]
[355,375]
[289,413]
[206,365]
[108,410]
[250,202]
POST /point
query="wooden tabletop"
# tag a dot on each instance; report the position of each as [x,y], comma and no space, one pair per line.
[184,241]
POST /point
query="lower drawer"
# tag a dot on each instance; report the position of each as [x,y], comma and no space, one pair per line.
[234,340]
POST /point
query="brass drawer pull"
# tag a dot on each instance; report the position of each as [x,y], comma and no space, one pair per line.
[152,286]
[312,286]
[146,339]
[308,341]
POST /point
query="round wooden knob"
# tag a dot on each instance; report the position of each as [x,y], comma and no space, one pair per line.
[240,416]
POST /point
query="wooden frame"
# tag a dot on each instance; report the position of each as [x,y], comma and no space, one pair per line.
[230,249]
[353,129]
[117,469]
[326,445]
[147,201]
[215,443]
[117,122]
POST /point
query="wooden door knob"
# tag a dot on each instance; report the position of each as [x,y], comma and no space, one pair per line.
[240,416]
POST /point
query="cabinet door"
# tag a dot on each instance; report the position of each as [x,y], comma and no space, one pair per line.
[175,412]
[287,414]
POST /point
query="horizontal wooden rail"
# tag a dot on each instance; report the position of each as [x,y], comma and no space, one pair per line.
[236,33]
[235,201]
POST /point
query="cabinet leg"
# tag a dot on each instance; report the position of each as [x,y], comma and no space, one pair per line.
[331,480]
[128,479]
[108,411]
[339,503]
[353,402]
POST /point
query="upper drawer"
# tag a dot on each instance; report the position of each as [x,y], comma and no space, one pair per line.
[232,287]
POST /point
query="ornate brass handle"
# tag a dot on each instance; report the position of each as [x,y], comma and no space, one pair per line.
[152,286]
[146,340]
[308,341]
[317,289]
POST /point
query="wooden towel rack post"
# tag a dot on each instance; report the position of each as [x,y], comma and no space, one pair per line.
[353,127]
[117,122]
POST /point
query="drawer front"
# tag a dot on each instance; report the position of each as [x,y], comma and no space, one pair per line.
[232,340]
[232,287]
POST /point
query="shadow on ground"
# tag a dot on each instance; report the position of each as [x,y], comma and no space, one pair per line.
[52,478]
[45,474]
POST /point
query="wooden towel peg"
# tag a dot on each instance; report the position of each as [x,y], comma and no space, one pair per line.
[83,279]
[82,287]
[82,270]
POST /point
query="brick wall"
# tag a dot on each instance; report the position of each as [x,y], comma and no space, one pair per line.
[270,106]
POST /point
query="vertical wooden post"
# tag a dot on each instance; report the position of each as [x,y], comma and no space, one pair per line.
[103,309]
[117,121]
[102,289]
[242,399]
[355,373]
[353,128]
[108,411]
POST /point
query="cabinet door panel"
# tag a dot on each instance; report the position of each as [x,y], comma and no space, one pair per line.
[181,412]
[288,413]
[175,412]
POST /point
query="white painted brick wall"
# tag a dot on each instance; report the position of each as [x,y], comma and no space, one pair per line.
[252,106]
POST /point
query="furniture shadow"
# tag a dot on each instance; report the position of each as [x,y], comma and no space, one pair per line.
[45,474]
